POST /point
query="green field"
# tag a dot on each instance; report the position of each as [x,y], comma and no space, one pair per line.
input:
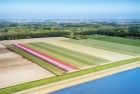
[82,59]
[58,56]
[120,40]
[116,47]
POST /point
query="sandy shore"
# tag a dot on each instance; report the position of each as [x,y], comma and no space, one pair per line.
[78,80]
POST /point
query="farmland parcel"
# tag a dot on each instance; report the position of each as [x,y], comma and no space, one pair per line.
[16,70]
[67,58]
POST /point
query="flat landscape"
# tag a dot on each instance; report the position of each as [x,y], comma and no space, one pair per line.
[49,45]
[55,59]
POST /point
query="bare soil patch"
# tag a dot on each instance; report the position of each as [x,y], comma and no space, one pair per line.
[2,46]
[22,73]
[3,50]
[16,70]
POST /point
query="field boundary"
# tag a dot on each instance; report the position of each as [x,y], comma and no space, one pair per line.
[47,89]
[50,80]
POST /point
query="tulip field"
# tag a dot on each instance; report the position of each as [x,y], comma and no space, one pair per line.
[56,60]
[65,56]
[47,58]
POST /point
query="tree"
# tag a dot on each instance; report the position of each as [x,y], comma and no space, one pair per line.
[134,29]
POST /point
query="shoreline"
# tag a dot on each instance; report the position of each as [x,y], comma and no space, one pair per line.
[78,80]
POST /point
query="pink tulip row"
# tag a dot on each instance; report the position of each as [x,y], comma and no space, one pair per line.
[47,58]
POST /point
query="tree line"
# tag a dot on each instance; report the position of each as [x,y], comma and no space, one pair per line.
[132,33]
[75,35]
[13,36]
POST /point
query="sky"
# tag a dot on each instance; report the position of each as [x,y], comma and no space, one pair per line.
[69,9]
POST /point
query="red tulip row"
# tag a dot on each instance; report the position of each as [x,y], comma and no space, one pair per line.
[46,57]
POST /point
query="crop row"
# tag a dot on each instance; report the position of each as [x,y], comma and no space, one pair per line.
[64,66]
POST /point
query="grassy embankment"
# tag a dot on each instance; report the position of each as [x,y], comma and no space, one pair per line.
[33,84]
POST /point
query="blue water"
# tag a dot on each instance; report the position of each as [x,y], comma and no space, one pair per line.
[127,82]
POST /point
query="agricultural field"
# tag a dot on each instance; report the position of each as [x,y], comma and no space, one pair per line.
[69,55]
[96,52]
[110,46]
[56,59]
[16,70]
[60,57]
[120,40]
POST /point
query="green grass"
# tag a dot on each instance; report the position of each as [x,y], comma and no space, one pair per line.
[127,41]
[33,84]
[83,58]
[121,48]
[67,60]
[36,60]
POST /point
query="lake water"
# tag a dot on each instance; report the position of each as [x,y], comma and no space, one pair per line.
[127,82]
